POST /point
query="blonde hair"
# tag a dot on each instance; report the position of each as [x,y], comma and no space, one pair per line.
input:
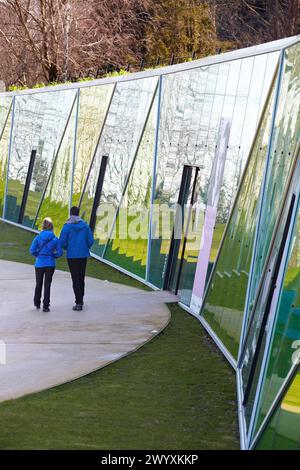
[47,224]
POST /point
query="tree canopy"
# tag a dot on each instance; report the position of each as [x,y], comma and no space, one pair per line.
[59,40]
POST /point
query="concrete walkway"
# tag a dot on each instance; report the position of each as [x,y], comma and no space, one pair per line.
[47,349]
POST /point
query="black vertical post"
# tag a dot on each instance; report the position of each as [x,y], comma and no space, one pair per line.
[187,227]
[194,55]
[172,59]
[175,242]
[98,191]
[27,186]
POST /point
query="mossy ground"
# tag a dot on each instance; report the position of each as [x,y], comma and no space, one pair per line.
[176,392]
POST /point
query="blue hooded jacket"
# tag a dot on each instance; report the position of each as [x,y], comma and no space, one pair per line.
[77,239]
[46,248]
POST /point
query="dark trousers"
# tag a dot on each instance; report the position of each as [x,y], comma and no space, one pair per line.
[77,268]
[43,275]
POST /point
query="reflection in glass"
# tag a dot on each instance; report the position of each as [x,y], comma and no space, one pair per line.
[283,430]
[282,154]
[57,195]
[93,104]
[286,337]
[39,121]
[120,136]
[128,248]
[224,302]
[193,103]
[182,108]
[5,126]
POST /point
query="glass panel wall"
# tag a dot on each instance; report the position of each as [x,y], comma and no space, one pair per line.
[225,298]
[39,122]
[93,106]
[282,155]
[57,196]
[286,337]
[187,101]
[193,104]
[129,241]
[119,140]
[283,430]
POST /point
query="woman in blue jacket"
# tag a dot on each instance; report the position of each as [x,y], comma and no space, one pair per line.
[46,248]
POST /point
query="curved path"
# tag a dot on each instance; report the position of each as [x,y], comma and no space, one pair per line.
[47,349]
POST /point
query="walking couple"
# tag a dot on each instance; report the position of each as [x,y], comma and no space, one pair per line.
[76,238]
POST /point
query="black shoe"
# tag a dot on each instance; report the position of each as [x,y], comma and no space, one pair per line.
[37,306]
[46,309]
[77,308]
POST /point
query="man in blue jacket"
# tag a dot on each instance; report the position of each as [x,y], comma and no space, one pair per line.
[76,237]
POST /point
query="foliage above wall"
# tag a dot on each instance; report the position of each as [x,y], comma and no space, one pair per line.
[45,41]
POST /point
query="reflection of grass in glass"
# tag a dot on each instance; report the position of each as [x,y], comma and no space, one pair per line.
[130,254]
[56,211]
[176,392]
[224,307]
[15,188]
[291,400]
[283,431]
[217,237]
[15,243]
[291,280]
[14,198]
[1,197]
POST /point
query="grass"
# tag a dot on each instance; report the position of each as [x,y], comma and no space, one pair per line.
[15,243]
[177,392]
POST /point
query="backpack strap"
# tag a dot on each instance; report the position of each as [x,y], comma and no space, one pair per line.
[44,245]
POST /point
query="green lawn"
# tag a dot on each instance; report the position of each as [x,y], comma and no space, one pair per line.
[176,392]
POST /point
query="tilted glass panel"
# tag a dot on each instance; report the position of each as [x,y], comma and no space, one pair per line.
[255,342]
[282,154]
[121,134]
[283,430]
[93,103]
[4,149]
[129,242]
[39,121]
[56,201]
[224,302]
[185,121]
[193,103]
[255,78]
[286,336]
